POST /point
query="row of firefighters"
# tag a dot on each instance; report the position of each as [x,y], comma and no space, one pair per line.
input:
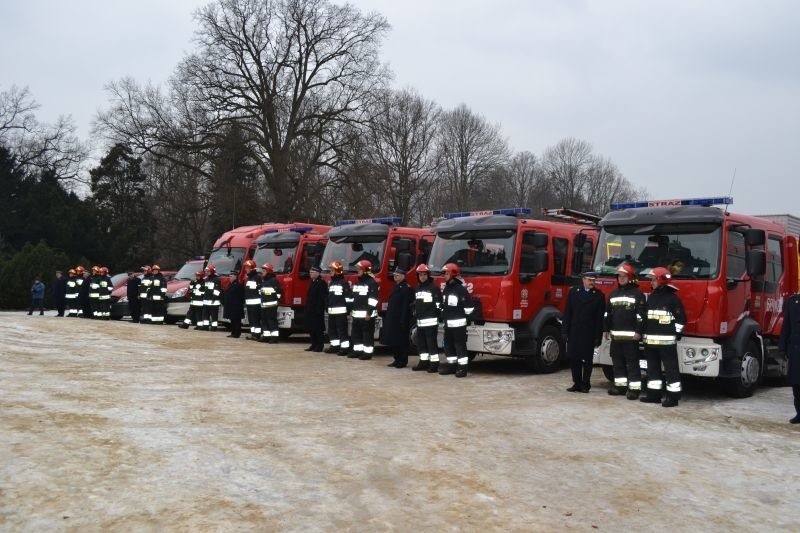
[88,294]
[357,301]
[628,320]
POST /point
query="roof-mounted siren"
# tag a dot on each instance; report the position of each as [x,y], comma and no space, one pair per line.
[573,216]
[390,221]
[511,211]
[704,202]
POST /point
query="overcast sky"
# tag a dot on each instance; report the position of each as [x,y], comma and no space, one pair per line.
[678,94]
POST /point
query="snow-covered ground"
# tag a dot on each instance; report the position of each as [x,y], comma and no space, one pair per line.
[120,426]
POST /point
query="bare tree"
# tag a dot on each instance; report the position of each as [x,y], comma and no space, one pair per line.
[400,150]
[566,167]
[35,145]
[470,151]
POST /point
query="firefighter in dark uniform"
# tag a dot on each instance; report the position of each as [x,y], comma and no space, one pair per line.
[94,293]
[397,322]
[85,309]
[582,328]
[72,293]
[363,304]
[157,295]
[252,299]
[104,300]
[144,289]
[194,316]
[132,290]
[316,299]
[212,298]
[457,306]
[338,296]
[663,325]
[624,320]
[789,343]
[270,298]
[234,306]
[427,308]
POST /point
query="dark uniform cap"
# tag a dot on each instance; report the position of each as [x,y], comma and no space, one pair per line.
[399,270]
[316,269]
[591,274]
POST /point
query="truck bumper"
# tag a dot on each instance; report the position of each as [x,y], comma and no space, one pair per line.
[491,337]
[177,308]
[696,356]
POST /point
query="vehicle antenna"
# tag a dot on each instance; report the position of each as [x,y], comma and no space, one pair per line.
[730,192]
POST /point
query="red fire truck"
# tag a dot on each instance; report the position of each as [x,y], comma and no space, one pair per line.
[385,244]
[519,271]
[732,272]
[292,253]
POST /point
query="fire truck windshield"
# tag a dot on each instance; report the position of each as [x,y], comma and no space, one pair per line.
[188,269]
[351,252]
[282,259]
[226,260]
[476,252]
[689,251]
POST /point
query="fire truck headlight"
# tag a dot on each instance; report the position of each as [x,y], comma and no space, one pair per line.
[497,340]
[690,353]
[180,293]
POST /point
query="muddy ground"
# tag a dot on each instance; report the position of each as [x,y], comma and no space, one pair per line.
[118,426]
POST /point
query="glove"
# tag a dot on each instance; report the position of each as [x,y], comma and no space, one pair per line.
[678,336]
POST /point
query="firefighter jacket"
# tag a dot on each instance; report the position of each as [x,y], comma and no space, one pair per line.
[197,289]
[625,312]
[158,288]
[427,304]
[270,291]
[144,286]
[212,290]
[665,317]
[456,304]
[252,288]
[338,295]
[364,297]
[105,287]
[582,322]
[72,289]
[94,287]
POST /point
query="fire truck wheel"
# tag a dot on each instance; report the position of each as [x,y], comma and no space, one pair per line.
[548,353]
[608,372]
[747,382]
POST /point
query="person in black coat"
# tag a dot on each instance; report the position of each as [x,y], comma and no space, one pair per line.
[60,293]
[234,306]
[397,322]
[790,344]
[132,288]
[316,301]
[582,328]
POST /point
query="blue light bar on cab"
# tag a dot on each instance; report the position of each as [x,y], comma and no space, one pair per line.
[396,221]
[722,200]
[511,211]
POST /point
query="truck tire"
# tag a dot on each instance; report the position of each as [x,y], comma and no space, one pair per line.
[747,382]
[549,352]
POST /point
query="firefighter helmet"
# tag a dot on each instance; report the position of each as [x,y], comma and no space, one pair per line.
[79,269]
[336,267]
[661,275]
[249,264]
[423,269]
[627,269]
[147,269]
[104,271]
[71,272]
[199,274]
[156,267]
[211,269]
[267,267]
[364,265]
[452,269]
[95,270]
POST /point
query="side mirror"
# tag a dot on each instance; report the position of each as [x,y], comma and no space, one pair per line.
[755,237]
[756,261]
[541,260]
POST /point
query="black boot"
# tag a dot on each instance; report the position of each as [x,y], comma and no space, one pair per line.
[632,394]
[651,396]
[616,391]
[331,349]
[446,369]
[183,326]
[462,371]
[575,388]
[354,355]
[671,400]
[365,357]
[309,349]
[434,367]
[421,365]
[796,419]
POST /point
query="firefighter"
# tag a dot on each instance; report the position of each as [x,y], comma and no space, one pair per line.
[212,294]
[582,328]
[270,297]
[316,298]
[94,293]
[72,292]
[397,323]
[132,290]
[789,343]
[427,307]
[363,304]
[144,289]
[338,296]
[194,316]
[104,300]
[457,306]
[157,295]
[624,320]
[663,325]
[252,299]
[234,306]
